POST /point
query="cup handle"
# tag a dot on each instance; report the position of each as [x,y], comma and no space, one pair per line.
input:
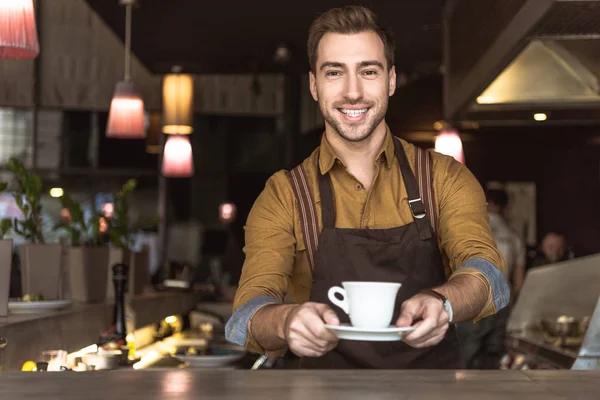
[343,304]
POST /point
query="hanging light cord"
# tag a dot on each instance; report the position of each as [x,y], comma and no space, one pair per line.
[128,42]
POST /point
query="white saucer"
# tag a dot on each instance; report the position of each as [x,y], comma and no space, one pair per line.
[34,307]
[349,332]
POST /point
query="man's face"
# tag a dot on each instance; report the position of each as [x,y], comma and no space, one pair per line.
[352,83]
[554,247]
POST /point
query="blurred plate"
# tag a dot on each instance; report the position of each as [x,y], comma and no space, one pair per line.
[221,354]
[35,307]
[218,359]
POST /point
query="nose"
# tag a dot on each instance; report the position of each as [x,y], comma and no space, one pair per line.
[353,88]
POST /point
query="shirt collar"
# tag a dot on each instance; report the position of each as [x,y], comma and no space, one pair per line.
[327,157]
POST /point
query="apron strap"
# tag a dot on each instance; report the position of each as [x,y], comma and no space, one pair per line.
[421,198]
[308,215]
[327,202]
[415,201]
[424,175]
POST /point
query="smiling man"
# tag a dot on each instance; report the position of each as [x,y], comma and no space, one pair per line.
[355,211]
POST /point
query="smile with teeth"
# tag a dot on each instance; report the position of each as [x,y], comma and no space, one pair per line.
[353,113]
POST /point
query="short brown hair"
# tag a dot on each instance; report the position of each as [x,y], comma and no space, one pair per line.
[347,20]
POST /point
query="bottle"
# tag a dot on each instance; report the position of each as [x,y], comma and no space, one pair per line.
[118,331]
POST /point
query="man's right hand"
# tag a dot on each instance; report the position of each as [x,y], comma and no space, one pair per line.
[305,330]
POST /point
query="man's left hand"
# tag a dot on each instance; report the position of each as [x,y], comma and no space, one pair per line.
[432,320]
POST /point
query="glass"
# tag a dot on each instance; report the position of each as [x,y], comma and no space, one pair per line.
[54,358]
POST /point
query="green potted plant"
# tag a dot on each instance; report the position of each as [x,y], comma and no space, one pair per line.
[6,246]
[88,254]
[41,263]
[122,236]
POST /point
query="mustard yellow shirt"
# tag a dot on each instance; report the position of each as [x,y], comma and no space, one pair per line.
[277,268]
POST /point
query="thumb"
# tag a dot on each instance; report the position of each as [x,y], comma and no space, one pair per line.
[327,314]
[407,315]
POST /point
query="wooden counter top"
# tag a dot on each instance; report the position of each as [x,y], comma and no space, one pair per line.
[312,385]
[81,324]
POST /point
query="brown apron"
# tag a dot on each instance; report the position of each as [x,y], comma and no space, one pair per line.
[407,254]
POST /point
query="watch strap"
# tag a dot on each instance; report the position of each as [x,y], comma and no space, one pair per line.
[434,293]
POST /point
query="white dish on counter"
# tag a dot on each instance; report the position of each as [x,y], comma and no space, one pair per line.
[349,332]
[212,361]
[37,307]
[226,353]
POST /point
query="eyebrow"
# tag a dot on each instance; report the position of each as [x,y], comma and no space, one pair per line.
[362,64]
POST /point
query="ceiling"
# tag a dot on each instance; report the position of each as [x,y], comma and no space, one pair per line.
[242,36]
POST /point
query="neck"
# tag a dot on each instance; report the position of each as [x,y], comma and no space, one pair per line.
[357,154]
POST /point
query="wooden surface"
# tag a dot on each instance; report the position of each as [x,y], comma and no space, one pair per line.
[312,385]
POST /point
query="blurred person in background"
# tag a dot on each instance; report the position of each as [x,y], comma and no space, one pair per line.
[482,343]
[553,249]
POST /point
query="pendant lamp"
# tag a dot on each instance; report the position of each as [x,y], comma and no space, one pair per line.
[178,103]
[18,32]
[126,115]
[227,212]
[448,142]
[178,159]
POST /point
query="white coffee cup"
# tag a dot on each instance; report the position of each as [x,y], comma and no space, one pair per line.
[369,304]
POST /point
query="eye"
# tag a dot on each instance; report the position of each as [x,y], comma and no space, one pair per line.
[370,72]
[333,73]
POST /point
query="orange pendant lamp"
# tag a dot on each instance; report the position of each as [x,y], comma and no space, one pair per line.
[178,103]
[18,32]
[126,115]
[448,142]
[178,158]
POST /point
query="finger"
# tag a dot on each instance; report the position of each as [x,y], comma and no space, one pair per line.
[327,314]
[431,315]
[408,313]
[422,329]
[303,350]
[300,332]
[439,330]
[430,342]
[310,319]
[404,320]
[317,328]
[318,346]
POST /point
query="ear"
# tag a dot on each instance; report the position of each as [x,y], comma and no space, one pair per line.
[392,80]
[313,86]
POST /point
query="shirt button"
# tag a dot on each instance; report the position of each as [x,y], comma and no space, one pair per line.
[338,162]
[358,186]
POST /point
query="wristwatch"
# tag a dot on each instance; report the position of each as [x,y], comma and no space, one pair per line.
[445,301]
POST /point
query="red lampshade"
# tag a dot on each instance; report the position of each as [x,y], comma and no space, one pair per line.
[178,159]
[126,116]
[448,142]
[18,33]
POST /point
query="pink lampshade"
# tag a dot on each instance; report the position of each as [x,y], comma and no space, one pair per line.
[178,159]
[18,33]
[126,116]
[227,212]
[448,142]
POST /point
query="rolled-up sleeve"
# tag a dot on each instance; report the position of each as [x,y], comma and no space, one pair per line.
[270,251]
[236,328]
[464,232]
